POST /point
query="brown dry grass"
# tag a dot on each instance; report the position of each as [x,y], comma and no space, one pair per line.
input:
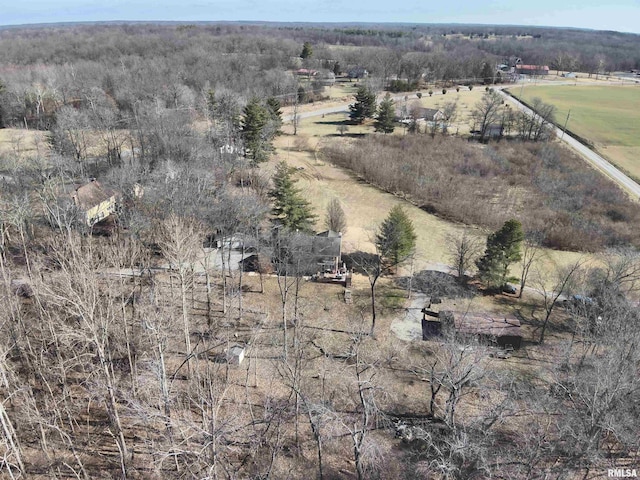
[365,206]
[21,143]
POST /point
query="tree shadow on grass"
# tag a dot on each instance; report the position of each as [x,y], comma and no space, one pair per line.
[437,284]
[350,135]
[333,122]
[359,261]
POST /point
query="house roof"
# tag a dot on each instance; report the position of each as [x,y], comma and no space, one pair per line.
[430,113]
[327,244]
[487,325]
[306,71]
[91,194]
[532,67]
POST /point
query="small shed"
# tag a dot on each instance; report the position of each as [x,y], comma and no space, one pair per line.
[235,355]
[505,332]
[357,72]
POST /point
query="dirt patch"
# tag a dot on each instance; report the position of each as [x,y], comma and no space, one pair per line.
[409,326]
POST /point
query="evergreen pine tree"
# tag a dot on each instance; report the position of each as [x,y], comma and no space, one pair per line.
[396,238]
[487,74]
[364,106]
[503,249]
[386,116]
[257,140]
[289,207]
[307,51]
[275,114]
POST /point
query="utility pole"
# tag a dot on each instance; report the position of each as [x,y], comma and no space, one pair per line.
[565,125]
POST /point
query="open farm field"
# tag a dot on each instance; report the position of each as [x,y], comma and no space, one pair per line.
[607,116]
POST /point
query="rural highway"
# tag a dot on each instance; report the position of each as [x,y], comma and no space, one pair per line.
[589,155]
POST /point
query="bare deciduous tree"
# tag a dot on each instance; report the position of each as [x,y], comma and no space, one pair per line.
[530,253]
[335,218]
[463,249]
[551,295]
[180,240]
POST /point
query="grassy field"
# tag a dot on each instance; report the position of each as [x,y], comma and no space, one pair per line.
[21,143]
[366,206]
[327,125]
[607,116]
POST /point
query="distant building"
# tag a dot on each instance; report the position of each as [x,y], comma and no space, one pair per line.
[532,69]
[307,72]
[492,131]
[430,115]
[95,202]
[357,72]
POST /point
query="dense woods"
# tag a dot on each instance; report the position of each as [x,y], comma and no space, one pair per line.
[137,346]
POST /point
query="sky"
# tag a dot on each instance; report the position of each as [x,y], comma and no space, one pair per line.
[620,15]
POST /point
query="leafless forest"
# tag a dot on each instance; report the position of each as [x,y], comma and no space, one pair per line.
[129,350]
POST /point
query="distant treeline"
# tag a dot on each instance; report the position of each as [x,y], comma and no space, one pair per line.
[176,66]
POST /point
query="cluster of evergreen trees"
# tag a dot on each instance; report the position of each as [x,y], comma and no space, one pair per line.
[365,107]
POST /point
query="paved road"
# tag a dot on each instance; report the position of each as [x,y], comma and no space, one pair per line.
[344,108]
[589,155]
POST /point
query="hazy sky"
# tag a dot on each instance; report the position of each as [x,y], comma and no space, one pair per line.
[620,15]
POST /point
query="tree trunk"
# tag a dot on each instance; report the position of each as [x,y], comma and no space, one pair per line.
[373,307]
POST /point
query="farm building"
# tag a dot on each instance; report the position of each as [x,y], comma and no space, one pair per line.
[532,69]
[95,202]
[235,355]
[503,331]
[419,113]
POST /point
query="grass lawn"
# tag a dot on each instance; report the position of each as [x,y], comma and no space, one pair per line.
[608,116]
[23,143]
